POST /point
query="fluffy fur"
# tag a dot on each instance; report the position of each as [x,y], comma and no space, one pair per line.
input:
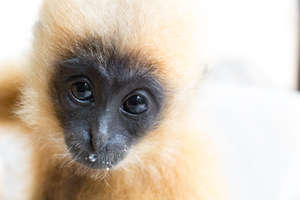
[11,79]
[175,161]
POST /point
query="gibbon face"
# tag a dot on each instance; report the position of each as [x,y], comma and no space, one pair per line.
[104,105]
[105,75]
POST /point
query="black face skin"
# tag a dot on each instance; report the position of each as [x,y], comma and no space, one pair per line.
[104,105]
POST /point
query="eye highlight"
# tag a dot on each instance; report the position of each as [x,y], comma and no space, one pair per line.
[135,105]
[82,91]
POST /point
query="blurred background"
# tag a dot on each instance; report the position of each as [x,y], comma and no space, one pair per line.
[250,41]
[257,39]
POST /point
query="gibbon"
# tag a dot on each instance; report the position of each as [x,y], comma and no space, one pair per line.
[107,100]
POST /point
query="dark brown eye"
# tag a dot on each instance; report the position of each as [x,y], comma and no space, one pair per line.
[136,104]
[82,91]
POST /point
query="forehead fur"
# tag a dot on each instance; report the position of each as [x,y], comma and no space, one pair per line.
[164,31]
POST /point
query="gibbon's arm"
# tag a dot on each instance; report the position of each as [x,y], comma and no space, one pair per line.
[11,78]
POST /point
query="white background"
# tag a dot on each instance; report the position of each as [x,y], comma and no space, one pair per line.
[258,34]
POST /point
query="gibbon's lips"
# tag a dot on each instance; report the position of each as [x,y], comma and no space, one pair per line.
[105,106]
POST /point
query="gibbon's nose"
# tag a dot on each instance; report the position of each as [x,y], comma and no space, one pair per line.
[100,131]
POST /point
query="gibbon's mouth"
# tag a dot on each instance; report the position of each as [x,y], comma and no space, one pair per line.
[105,158]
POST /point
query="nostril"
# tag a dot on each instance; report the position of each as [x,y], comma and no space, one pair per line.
[90,140]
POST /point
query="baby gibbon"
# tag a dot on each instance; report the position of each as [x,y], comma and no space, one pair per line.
[107,99]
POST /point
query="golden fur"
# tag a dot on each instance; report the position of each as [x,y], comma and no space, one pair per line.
[11,79]
[173,162]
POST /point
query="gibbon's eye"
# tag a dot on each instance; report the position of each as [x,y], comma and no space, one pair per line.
[135,104]
[82,91]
